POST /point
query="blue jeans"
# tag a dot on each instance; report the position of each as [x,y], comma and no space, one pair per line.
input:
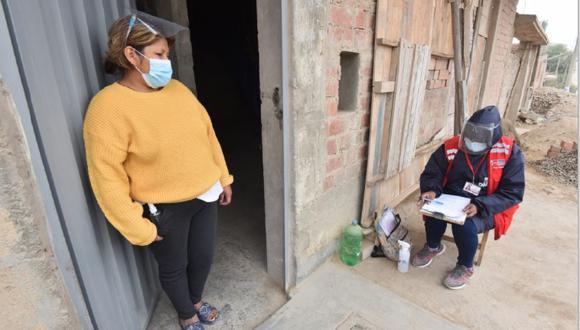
[465,236]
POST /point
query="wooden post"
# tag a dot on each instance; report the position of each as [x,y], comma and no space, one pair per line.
[460,90]
[571,66]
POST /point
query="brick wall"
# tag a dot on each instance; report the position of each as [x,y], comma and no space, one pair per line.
[350,28]
[330,144]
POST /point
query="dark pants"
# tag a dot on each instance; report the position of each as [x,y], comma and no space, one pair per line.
[465,236]
[186,252]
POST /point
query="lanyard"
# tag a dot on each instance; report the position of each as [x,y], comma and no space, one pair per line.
[471,166]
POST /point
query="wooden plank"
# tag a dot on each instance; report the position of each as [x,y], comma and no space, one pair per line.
[475,73]
[404,67]
[460,88]
[421,13]
[387,42]
[414,105]
[441,41]
[485,17]
[468,22]
[383,86]
[491,44]
[410,175]
[394,19]
[389,106]
[381,19]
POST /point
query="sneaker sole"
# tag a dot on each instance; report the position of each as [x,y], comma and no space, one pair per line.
[454,287]
[430,261]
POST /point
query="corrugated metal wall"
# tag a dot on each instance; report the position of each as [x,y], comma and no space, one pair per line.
[59,46]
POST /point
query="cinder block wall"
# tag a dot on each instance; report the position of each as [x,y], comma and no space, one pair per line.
[330,143]
[500,57]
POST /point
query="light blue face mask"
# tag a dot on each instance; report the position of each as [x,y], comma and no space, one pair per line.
[475,147]
[159,74]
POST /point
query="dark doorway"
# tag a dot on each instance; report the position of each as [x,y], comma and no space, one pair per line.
[225,55]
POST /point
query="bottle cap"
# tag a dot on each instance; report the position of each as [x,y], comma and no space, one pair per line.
[404,245]
[355,222]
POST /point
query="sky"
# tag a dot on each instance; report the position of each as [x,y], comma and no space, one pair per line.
[562,17]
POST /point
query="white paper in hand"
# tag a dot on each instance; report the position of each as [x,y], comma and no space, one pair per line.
[450,206]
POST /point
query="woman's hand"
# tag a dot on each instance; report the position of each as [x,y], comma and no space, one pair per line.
[470,210]
[226,196]
[428,195]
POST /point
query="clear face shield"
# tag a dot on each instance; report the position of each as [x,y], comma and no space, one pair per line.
[156,25]
[477,138]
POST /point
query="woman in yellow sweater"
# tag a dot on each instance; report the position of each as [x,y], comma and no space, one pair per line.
[155,164]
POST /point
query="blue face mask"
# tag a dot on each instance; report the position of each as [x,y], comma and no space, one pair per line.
[475,147]
[159,73]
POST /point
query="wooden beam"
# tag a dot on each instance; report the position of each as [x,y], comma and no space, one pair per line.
[384,86]
[386,42]
[460,90]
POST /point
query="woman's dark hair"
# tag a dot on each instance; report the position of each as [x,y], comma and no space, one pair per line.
[139,38]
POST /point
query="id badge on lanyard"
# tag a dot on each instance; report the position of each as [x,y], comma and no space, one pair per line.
[471,187]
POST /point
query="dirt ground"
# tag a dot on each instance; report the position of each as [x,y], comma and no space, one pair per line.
[561,123]
[529,278]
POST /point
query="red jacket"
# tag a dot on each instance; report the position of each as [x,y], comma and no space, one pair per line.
[498,157]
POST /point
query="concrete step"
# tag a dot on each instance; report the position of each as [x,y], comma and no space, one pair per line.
[336,297]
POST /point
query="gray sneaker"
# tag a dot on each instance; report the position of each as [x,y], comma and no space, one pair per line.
[458,277]
[424,257]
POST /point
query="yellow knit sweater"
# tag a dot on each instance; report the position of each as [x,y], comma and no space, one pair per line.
[157,147]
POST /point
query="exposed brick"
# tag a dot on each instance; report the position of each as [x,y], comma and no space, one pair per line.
[431,75]
[331,147]
[340,16]
[567,146]
[553,152]
[365,120]
[331,106]
[431,84]
[436,74]
[366,72]
[432,63]
[443,74]
[348,35]
[441,64]
[364,103]
[332,73]
[333,164]
[328,183]
[335,127]
[360,21]
[344,142]
[332,88]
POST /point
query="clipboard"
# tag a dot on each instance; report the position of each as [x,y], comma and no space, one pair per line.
[447,208]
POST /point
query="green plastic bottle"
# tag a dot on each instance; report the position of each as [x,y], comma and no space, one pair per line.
[351,244]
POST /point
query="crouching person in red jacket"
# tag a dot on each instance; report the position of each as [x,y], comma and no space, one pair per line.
[485,166]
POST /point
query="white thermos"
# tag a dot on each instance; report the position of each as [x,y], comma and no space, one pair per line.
[404,255]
